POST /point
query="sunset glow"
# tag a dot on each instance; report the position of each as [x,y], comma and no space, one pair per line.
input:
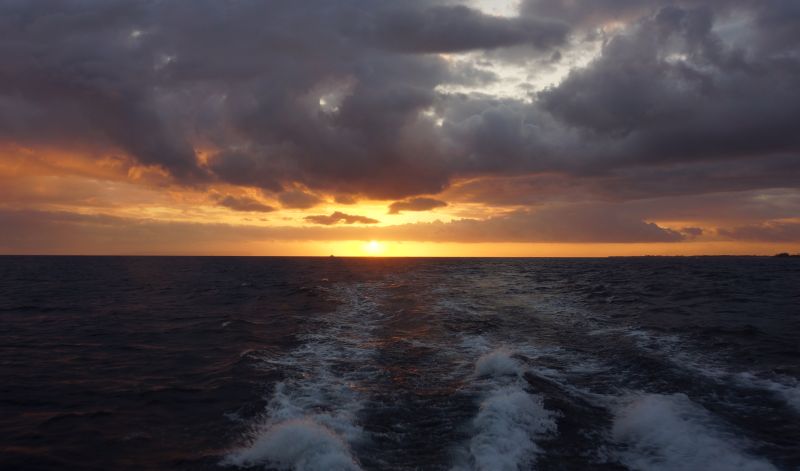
[374,248]
[359,235]
[521,138]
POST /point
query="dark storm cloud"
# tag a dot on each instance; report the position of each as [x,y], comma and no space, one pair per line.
[692,178]
[723,181]
[298,199]
[243,203]
[157,79]
[415,204]
[727,209]
[459,29]
[344,97]
[599,12]
[346,199]
[670,91]
[71,72]
[666,92]
[780,231]
[337,217]
[577,224]
[692,231]
[60,232]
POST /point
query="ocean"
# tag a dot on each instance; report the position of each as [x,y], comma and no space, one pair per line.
[194,363]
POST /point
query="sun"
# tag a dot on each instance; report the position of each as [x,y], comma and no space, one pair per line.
[374,247]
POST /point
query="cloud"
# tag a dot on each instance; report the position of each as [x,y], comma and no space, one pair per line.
[346,199]
[354,98]
[298,199]
[457,28]
[669,91]
[668,94]
[61,232]
[415,204]
[576,224]
[690,232]
[773,231]
[243,203]
[724,209]
[337,217]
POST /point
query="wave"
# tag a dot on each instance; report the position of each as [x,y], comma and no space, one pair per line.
[787,389]
[497,363]
[681,354]
[670,432]
[311,418]
[509,421]
[301,445]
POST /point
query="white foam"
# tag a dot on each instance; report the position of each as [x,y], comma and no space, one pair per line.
[509,422]
[670,432]
[474,343]
[300,445]
[506,430]
[311,418]
[498,362]
[680,354]
[786,389]
[326,399]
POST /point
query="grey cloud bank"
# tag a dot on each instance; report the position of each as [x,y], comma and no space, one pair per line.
[37,231]
[415,204]
[337,217]
[345,97]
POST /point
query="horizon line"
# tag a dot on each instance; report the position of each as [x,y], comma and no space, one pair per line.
[778,255]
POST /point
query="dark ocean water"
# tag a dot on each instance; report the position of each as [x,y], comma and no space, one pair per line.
[338,364]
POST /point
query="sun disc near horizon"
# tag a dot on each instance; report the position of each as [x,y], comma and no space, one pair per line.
[374,248]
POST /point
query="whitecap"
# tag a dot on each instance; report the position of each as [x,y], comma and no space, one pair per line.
[679,353]
[311,418]
[510,421]
[300,445]
[670,432]
[506,429]
[786,389]
[498,362]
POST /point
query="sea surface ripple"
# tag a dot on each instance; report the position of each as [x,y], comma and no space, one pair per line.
[311,364]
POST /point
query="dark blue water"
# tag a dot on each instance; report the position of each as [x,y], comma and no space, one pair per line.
[324,364]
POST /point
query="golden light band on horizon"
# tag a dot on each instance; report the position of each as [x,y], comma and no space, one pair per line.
[551,130]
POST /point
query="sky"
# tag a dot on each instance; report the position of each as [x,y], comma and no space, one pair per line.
[400,128]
